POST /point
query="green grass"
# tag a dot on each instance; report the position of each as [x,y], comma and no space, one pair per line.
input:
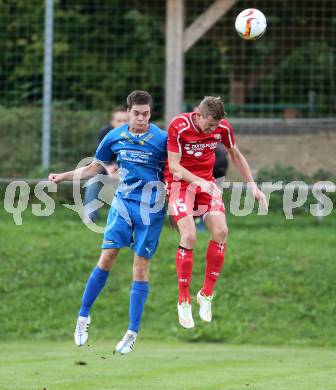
[160,365]
[278,284]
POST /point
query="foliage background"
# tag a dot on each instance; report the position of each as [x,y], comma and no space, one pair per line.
[103,49]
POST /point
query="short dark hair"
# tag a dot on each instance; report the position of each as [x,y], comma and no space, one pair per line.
[118,109]
[212,106]
[139,97]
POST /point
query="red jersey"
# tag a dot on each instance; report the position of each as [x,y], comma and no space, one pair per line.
[197,148]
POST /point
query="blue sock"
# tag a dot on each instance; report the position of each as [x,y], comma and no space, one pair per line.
[138,296]
[94,285]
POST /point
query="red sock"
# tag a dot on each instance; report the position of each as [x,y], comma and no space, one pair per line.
[184,264]
[214,262]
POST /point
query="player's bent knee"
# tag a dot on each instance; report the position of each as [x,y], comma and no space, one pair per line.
[107,259]
[140,269]
[188,239]
[141,276]
[140,273]
[220,235]
[105,264]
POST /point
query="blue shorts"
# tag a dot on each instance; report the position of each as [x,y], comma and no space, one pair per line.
[130,223]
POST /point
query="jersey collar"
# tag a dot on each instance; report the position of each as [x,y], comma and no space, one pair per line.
[142,134]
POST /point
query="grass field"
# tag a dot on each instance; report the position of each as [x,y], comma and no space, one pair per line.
[162,365]
[278,284]
[276,299]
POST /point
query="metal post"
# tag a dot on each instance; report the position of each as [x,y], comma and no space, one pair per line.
[47,83]
[311,102]
[174,59]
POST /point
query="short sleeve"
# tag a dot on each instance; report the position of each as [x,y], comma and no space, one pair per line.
[104,151]
[172,143]
[228,138]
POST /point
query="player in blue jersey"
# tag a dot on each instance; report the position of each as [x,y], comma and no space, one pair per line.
[137,211]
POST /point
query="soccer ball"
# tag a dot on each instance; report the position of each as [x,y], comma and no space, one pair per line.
[250,24]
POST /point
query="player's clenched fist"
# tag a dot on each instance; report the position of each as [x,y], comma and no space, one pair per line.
[210,188]
[56,177]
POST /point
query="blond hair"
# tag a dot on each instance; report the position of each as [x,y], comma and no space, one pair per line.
[212,106]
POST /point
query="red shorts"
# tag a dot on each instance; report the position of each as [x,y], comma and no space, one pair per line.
[186,199]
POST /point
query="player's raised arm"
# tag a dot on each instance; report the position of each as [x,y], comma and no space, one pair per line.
[243,167]
[83,173]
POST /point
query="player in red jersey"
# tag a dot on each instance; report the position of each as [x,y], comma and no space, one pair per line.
[191,190]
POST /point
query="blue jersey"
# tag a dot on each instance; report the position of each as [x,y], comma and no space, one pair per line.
[140,160]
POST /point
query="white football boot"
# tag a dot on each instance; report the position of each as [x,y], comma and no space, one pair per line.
[205,306]
[127,343]
[185,315]
[81,332]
